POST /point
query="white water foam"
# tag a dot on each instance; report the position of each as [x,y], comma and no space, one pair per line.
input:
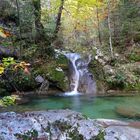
[72,93]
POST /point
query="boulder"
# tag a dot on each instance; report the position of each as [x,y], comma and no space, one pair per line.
[53,125]
[56,72]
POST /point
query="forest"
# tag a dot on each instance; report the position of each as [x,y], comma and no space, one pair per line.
[52,48]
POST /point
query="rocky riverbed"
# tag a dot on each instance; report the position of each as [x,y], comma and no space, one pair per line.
[64,125]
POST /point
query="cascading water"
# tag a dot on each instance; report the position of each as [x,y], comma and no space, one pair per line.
[81,80]
[75,74]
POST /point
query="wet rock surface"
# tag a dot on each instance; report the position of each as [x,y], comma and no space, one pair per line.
[81,80]
[63,125]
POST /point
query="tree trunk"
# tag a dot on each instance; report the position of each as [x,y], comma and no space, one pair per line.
[98,21]
[40,35]
[19,23]
[58,21]
[109,28]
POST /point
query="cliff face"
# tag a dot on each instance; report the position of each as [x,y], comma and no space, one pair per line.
[119,73]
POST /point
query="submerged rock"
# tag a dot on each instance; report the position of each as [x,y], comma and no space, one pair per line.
[129,112]
[62,125]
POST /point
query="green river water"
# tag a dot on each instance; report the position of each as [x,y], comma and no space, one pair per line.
[93,107]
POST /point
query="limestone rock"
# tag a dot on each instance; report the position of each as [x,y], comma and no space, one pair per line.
[62,125]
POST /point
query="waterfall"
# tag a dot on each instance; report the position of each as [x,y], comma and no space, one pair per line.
[81,80]
[75,78]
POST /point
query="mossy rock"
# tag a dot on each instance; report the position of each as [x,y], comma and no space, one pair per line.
[58,76]
[97,70]
[55,71]
[62,61]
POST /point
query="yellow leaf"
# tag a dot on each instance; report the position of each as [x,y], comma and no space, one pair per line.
[1,70]
[2,34]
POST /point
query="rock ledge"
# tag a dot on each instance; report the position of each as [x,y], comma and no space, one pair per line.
[63,125]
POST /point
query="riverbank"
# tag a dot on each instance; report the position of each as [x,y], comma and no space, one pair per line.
[109,93]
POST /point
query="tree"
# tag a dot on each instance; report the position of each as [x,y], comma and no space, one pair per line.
[19,23]
[110,31]
[40,34]
[98,22]
[58,21]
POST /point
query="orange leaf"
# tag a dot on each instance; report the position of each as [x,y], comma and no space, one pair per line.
[26,70]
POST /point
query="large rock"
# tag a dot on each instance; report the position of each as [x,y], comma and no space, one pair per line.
[56,72]
[48,125]
[118,130]
[62,125]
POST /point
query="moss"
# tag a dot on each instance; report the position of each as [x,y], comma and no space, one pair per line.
[135,87]
[54,71]
[7,101]
[74,135]
[62,62]
[134,57]
[55,75]
[97,70]
[63,126]
[100,136]
[29,135]
[116,82]
[85,116]
[72,131]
